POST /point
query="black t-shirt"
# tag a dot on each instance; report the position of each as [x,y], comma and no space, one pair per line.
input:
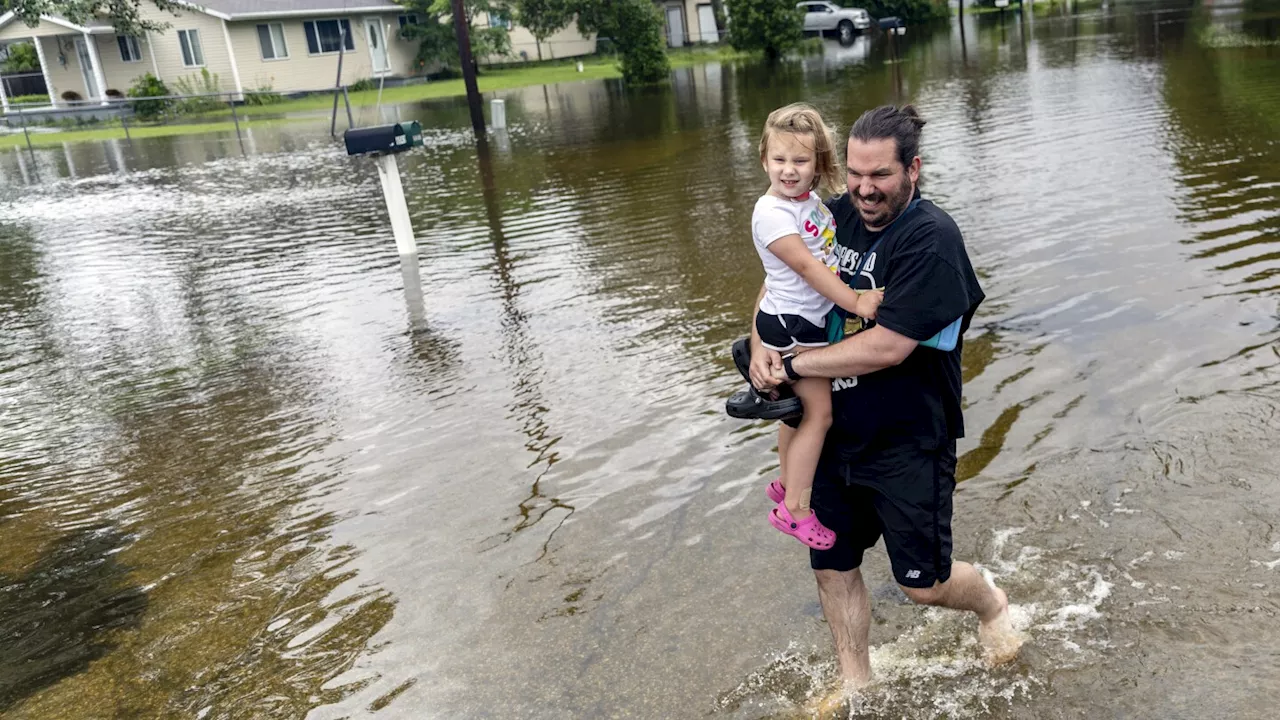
[928,282]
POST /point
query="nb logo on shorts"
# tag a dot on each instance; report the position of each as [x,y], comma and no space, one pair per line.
[913,574]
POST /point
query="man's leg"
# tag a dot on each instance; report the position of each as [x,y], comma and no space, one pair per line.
[966,589]
[847,608]
[916,508]
[847,510]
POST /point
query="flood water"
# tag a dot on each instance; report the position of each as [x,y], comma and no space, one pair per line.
[255,467]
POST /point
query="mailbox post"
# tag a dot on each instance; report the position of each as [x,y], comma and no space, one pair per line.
[384,142]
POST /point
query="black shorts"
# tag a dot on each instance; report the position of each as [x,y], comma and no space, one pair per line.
[903,493]
[785,332]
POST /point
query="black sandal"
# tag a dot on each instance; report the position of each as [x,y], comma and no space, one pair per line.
[749,404]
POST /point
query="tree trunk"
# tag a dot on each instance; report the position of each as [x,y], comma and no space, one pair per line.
[462,28]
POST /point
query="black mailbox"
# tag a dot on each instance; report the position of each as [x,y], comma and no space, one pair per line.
[890,23]
[379,139]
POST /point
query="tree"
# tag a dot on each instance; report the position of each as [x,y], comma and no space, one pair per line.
[544,18]
[635,26]
[435,36]
[913,11]
[22,58]
[123,13]
[771,26]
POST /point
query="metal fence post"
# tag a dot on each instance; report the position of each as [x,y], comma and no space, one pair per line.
[236,118]
[26,133]
[124,122]
[342,46]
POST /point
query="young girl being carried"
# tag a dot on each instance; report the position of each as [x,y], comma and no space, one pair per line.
[794,233]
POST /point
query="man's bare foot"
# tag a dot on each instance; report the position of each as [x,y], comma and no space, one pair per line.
[1000,641]
[827,706]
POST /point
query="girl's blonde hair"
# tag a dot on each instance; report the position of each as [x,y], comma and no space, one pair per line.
[804,119]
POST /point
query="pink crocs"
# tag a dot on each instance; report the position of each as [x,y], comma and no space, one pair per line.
[809,531]
[776,492]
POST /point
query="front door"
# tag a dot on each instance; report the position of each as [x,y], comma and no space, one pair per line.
[377,45]
[707,23]
[86,69]
[675,26]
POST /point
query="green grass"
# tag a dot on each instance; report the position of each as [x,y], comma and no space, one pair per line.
[1219,38]
[497,78]
[114,131]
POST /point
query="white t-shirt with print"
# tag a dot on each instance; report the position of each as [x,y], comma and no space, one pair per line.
[786,293]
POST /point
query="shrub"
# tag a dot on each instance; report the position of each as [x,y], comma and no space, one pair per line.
[205,82]
[362,85]
[636,29]
[149,86]
[22,58]
[30,99]
[768,26]
[263,96]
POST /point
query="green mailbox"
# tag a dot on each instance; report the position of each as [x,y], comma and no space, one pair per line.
[412,132]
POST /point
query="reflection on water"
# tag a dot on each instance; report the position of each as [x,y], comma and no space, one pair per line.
[249,469]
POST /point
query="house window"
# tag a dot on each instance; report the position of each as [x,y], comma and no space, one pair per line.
[129,51]
[192,54]
[408,20]
[498,19]
[327,36]
[271,40]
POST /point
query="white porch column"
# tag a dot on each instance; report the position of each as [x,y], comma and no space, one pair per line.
[44,70]
[4,97]
[96,62]
[155,66]
[231,54]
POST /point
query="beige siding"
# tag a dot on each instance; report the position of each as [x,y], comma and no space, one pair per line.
[16,29]
[564,44]
[168,49]
[120,74]
[303,71]
[63,78]
[403,51]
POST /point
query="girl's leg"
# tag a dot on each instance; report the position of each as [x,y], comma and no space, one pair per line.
[786,434]
[805,445]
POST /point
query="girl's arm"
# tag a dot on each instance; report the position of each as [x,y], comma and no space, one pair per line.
[792,251]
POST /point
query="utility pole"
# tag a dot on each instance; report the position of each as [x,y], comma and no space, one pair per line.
[463,31]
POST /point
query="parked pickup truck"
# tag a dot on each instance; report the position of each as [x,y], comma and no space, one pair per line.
[822,17]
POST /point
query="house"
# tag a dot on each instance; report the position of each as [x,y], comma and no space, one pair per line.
[687,22]
[565,43]
[284,45]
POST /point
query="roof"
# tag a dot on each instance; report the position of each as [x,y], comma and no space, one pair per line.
[255,9]
[93,26]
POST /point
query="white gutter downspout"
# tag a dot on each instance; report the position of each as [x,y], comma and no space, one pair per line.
[231,54]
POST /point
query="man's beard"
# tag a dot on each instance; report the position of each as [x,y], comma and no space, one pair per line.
[891,204]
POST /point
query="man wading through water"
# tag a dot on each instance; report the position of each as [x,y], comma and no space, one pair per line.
[888,463]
